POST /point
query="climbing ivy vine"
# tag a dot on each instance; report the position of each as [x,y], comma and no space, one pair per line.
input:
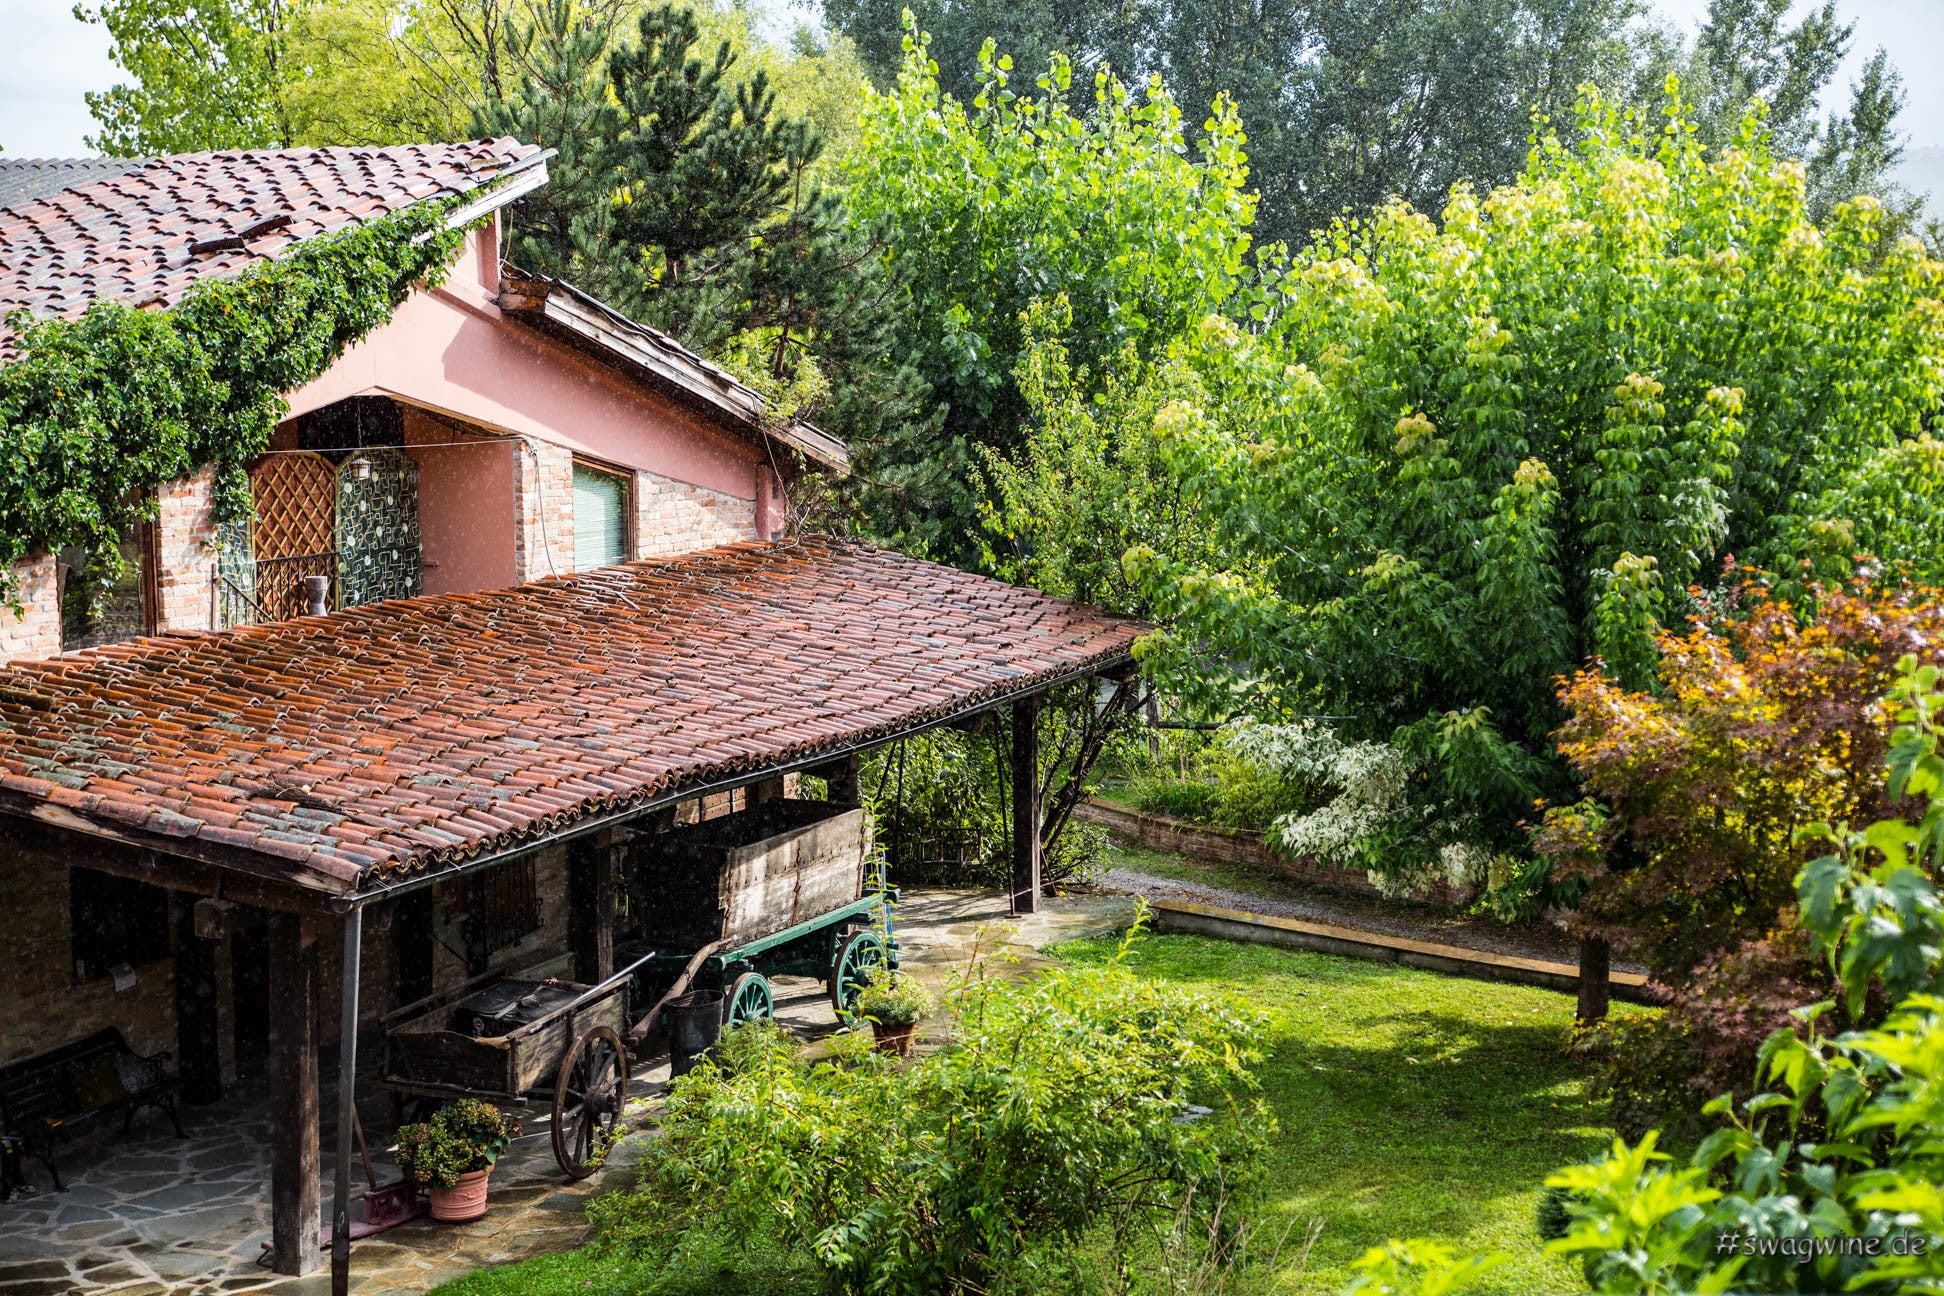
[98,411]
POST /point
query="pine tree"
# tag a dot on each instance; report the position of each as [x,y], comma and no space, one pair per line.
[559,101]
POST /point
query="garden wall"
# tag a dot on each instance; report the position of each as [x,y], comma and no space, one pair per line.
[1229,846]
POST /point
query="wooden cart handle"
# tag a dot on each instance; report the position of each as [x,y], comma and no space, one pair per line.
[638,1033]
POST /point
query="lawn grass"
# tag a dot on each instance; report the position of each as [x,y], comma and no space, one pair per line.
[1410,1105]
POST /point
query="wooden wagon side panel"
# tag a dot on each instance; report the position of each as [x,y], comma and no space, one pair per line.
[741,877]
[435,1056]
[783,880]
[537,1049]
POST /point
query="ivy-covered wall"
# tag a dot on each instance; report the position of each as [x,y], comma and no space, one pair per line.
[104,410]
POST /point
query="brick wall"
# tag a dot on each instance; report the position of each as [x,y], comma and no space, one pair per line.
[543,510]
[185,532]
[40,1005]
[37,632]
[674,517]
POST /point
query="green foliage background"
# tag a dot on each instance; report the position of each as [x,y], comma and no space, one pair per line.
[1452,460]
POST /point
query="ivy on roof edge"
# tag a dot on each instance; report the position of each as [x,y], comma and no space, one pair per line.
[99,411]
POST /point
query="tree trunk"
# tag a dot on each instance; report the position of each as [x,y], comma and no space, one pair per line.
[1595,958]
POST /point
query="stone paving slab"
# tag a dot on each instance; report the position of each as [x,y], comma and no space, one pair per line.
[151,1215]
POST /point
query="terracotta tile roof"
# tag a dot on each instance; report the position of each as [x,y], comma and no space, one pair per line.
[25,179]
[427,731]
[129,236]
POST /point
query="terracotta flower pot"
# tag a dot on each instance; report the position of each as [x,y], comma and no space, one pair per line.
[894,1037]
[466,1201]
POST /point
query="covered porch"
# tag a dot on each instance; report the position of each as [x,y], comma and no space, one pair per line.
[150,1213]
[418,791]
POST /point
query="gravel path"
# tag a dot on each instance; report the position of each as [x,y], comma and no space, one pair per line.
[1413,922]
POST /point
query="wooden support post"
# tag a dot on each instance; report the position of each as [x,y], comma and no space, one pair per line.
[1026,806]
[294,1162]
[840,777]
[347,1117]
[590,907]
[198,1031]
[1595,962]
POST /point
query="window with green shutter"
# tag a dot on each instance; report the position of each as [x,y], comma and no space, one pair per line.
[600,518]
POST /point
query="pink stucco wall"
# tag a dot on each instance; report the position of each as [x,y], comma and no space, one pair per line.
[465,507]
[453,350]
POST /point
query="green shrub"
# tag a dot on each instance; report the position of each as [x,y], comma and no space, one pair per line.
[1196,802]
[1059,1123]
[1201,777]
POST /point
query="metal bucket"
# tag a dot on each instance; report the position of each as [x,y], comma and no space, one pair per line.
[694,1025]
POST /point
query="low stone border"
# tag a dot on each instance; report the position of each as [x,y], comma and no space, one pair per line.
[1323,938]
[1228,846]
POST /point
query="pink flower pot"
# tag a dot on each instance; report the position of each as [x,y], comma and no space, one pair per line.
[894,1039]
[466,1201]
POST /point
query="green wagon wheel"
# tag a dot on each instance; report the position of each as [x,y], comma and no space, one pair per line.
[749,1000]
[588,1097]
[861,955]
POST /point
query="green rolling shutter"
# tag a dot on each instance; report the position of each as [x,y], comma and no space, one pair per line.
[600,518]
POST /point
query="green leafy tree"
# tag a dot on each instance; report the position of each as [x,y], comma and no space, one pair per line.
[991,204]
[1346,103]
[1749,50]
[1457,461]
[203,75]
[1349,103]
[1089,481]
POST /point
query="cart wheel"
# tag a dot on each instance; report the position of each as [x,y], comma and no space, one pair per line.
[861,954]
[749,1000]
[588,1097]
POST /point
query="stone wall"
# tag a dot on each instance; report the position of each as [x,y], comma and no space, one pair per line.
[1228,846]
[674,517]
[41,1005]
[543,510]
[36,632]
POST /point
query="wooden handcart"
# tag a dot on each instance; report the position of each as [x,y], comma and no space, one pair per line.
[511,1042]
[775,890]
[727,904]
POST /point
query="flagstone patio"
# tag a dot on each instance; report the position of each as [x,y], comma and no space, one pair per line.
[153,1215]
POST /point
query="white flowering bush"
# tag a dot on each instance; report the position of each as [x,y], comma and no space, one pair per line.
[1378,815]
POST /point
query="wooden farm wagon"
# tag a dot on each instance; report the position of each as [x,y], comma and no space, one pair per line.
[779,889]
[727,904]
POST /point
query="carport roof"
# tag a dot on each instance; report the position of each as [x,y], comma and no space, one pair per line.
[352,750]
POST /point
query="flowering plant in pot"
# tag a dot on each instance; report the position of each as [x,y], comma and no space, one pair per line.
[453,1154]
[894,1003]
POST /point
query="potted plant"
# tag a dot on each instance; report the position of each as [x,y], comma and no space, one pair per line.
[452,1155]
[894,1003]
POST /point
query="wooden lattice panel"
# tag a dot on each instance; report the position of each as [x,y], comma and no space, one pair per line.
[296,505]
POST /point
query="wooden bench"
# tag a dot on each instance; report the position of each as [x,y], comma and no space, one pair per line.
[48,1099]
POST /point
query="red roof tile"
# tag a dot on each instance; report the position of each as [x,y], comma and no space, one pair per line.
[127,237]
[427,731]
